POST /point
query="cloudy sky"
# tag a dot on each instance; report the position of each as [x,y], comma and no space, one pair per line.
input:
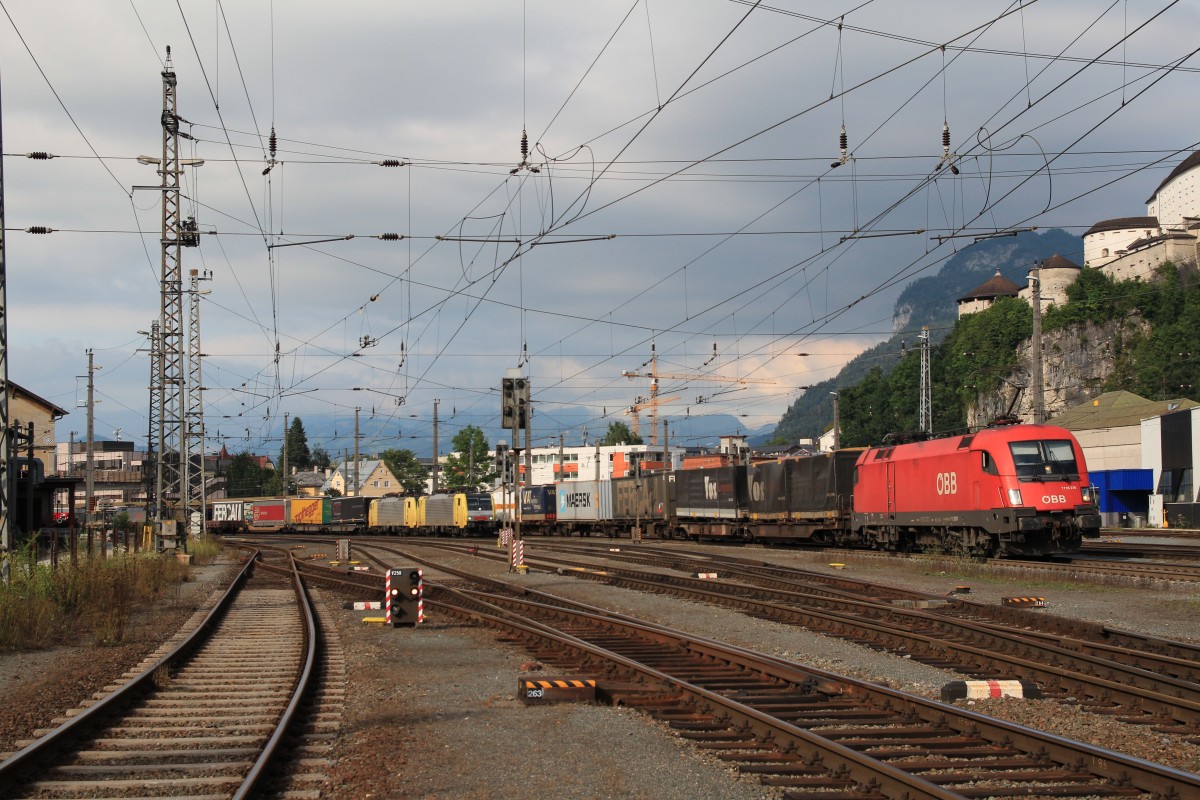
[684,190]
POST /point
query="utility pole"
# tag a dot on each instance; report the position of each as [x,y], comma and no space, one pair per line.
[284,456]
[925,414]
[89,466]
[6,533]
[667,446]
[357,483]
[560,477]
[434,483]
[1039,390]
[837,432]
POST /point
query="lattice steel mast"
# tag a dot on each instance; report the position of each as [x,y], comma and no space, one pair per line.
[151,468]
[193,464]
[168,484]
[925,413]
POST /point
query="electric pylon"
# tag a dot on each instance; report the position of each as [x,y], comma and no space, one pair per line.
[925,413]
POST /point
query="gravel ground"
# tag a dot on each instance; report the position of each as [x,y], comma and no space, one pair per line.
[431,712]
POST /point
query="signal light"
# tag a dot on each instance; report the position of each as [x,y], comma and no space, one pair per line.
[404,597]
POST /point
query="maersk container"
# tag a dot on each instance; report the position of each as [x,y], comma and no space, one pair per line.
[584,501]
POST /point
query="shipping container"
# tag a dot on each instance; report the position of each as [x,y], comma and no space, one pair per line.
[584,507]
[268,513]
[309,511]
[348,511]
[226,515]
[644,496]
[803,498]
[712,502]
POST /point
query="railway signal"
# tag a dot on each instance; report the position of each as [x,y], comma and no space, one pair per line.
[514,403]
[404,597]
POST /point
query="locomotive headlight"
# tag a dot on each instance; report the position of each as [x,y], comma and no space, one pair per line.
[1086,494]
[1014,497]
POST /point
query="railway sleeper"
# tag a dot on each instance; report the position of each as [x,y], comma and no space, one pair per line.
[1032,775]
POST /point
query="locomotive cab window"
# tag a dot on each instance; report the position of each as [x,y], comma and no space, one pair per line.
[1044,460]
[988,463]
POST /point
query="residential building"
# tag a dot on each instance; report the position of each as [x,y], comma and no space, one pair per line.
[25,408]
[373,476]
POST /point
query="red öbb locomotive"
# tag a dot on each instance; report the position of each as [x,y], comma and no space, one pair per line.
[1016,490]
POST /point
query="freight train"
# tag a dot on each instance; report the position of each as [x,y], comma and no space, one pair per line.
[1015,490]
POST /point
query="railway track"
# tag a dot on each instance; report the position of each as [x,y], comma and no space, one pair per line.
[1001,760]
[210,718]
[1138,679]
[807,732]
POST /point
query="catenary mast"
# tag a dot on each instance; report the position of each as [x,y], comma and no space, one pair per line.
[170,491]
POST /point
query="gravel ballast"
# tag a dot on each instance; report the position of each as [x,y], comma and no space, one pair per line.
[432,711]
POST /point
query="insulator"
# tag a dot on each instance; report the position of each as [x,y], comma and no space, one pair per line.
[390,237]
[39,229]
[39,155]
[842,140]
[946,136]
[274,141]
[389,162]
[524,145]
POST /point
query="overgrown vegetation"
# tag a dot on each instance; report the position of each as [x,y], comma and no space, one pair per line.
[974,358]
[43,606]
[1159,360]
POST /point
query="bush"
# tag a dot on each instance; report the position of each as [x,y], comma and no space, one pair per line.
[45,606]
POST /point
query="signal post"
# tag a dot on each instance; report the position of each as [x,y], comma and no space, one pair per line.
[515,412]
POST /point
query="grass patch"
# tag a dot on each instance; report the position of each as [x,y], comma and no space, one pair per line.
[44,606]
[205,550]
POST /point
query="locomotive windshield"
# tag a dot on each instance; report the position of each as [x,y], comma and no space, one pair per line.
[1045,460]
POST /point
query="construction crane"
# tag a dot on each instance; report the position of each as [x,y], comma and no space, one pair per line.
[654,400]
[642,403]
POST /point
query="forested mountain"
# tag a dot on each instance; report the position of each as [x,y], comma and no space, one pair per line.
[930,300]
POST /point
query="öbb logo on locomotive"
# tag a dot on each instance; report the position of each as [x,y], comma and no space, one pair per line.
[947,483]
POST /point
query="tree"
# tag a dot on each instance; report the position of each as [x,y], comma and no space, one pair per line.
[619,433]
[245,478]
[469,466]
[296,443]
[321,459]
[407,470]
